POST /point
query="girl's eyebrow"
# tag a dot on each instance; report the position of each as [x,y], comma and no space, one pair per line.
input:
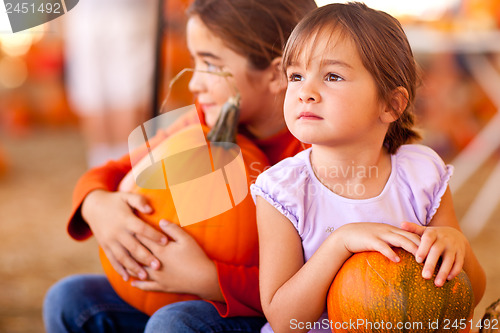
[326,62]
[208,55]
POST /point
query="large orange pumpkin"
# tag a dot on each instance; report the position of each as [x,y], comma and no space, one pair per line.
[230,237]
[370,293]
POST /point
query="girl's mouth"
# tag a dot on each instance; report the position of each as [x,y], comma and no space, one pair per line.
[207,107]
[309,116]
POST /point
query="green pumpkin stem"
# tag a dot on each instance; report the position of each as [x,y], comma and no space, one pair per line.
[226,126]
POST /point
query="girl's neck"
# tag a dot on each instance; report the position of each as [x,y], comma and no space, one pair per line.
[269,121]
[356,173]
[266,129]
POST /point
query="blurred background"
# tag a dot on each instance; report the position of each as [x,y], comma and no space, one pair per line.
[44,142]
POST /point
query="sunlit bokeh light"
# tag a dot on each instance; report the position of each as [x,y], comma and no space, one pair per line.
[423,9]
[18,44]
[13,72]
[15,45]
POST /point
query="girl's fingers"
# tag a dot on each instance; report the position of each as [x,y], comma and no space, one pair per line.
[172,230]
[426,242]
[404,240]
[431,261]
[138,202]
[413,238]
[148,243]
[386,250]
[139,227]
[123,257]
[444,270]
[140,254]
[153,247]
[146,285]
[457,266]
[117,266]
[130,273]
[410,247]
[413,228]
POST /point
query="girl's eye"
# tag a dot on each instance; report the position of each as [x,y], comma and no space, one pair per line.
[295,77]
[212,68]
[333,77]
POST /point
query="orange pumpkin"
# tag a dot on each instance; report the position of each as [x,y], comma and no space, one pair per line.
[230,237]
[370,293]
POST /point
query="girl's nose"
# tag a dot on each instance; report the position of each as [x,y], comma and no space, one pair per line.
[197,82]
[309,93]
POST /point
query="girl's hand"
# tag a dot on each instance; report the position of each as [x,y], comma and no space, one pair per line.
[360,237]
[110,216]
[446,243]
[185,266]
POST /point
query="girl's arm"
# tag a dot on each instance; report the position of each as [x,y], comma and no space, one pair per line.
[106,177]
[293,290]
[444,239]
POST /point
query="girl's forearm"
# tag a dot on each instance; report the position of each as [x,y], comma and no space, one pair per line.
[475,273]
[303,297]
[207,284]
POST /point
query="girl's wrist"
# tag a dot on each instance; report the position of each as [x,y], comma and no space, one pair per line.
[336,243]
[88,203]
[208,286]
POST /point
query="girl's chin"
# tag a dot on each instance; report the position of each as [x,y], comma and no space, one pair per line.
[211,114]
[211,119]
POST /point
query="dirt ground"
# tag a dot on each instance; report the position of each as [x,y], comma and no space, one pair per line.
[35,250]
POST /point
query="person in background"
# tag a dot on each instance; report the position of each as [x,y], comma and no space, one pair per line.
[109,48]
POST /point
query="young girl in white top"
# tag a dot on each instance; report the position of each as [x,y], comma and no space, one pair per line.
[361,186]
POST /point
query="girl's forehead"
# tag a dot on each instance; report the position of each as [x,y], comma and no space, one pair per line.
[199,33]
[203,42]
[321,45]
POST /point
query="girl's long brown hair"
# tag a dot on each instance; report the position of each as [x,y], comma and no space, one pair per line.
[257,29]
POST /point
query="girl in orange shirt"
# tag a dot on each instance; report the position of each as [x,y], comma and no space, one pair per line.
[244,38]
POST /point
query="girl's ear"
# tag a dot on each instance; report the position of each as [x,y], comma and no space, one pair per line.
[396,106]
[277,82]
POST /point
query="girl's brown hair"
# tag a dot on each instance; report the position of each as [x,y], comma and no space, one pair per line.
[257,29]
[384,51]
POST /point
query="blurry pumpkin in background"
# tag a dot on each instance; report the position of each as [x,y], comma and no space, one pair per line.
[481,14]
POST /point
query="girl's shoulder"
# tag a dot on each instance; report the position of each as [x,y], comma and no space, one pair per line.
[418,153]
[418,162]
[288,171]
[285,184]
[423,175]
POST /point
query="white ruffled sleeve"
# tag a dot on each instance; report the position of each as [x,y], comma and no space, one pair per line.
[425,176]
[283,186]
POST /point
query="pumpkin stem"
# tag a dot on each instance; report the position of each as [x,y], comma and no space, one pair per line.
[226,127]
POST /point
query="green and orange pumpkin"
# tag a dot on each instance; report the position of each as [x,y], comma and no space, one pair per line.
[383,296]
